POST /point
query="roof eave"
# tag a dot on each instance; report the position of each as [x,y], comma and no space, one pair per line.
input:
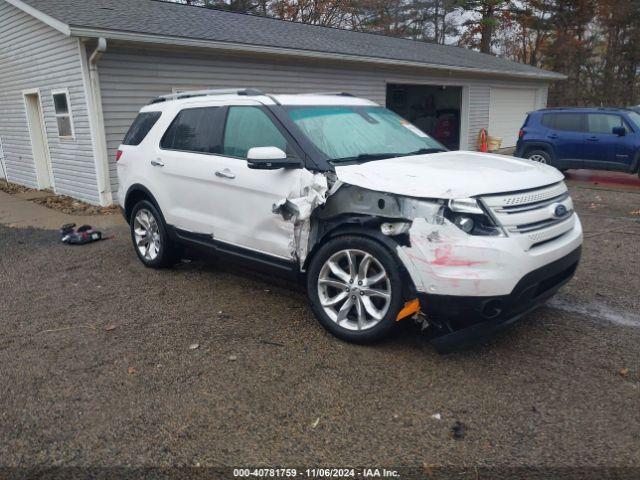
[251,48]
[43,17]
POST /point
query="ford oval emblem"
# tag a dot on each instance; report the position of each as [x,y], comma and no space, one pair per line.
[560,211]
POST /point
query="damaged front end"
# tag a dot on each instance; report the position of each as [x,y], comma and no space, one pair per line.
[422,233]
[469,278]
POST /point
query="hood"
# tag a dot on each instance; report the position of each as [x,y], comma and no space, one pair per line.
[449,175]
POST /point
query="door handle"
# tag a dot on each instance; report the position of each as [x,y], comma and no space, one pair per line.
[157,163]
[592,139]
[226,173]
[552,136]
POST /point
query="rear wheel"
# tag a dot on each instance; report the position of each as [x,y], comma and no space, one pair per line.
[149,235]
[355,289]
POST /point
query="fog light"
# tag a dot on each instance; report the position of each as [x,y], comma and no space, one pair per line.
[464,223]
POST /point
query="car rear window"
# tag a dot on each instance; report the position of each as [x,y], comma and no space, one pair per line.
[140,127]
[196,130]
[569,122]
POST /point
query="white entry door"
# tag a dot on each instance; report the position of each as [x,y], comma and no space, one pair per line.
[38,135]
[508,109]
[3,165]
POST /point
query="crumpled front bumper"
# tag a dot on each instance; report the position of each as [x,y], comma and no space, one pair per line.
[461,321]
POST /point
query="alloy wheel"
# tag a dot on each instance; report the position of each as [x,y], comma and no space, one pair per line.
[354,289]
[147,234]
[538,158]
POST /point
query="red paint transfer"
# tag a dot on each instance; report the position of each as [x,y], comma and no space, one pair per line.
[445,257]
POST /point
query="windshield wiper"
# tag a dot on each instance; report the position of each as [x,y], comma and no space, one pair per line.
[423,151]
[366,157]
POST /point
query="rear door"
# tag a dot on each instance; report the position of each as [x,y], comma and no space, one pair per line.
[185,166]
[565,132]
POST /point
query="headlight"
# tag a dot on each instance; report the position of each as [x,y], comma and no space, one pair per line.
[470,217]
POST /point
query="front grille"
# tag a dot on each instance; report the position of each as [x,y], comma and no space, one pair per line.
[532,227]
[534,205]
[531,215]
[533,196]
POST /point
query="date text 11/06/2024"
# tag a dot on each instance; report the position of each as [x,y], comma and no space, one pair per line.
[315,473]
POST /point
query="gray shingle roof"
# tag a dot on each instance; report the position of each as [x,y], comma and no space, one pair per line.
[158,18]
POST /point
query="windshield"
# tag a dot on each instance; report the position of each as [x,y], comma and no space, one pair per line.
[635,117]
[355,134]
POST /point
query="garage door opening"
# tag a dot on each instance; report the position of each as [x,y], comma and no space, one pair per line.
[435,109]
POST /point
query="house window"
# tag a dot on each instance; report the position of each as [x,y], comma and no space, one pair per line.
[62,108]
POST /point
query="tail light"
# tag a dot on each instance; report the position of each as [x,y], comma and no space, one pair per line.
[521,134]
[118,155]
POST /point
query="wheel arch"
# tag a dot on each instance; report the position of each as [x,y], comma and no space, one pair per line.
[529,146]
[136,193]
[635,166]
[372,233]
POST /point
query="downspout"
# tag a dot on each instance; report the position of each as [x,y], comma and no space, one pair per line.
[102,160]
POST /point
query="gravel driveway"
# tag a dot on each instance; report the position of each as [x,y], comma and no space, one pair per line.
[106,363]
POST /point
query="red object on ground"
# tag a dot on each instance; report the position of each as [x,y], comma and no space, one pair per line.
[484,147]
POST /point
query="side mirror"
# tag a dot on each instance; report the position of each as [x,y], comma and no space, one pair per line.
[270,158]
[620,131]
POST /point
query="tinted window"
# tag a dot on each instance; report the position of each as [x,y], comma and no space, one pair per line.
[140,127]
[195,130]
[569,122]
[249,127]
[603,123]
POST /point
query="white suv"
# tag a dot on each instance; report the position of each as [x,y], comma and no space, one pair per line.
[377,217]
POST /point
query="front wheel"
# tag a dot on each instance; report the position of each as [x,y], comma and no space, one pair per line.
[149,235]
[539,156]
[355,289]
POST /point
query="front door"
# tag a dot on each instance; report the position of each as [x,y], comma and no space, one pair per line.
[38,136]
[605,149]
[248,195]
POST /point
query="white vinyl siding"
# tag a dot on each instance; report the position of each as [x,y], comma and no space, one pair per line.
[130,78]
[35,56]
[507,112]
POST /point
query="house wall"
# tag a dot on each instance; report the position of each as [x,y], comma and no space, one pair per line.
[35,56]
[129,78]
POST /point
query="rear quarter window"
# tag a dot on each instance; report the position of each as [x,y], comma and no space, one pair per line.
[140,127]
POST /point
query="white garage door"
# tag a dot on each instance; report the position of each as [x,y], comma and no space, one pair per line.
[3,171]
[507,111]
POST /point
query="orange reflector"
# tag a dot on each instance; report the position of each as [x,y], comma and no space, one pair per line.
[410,308]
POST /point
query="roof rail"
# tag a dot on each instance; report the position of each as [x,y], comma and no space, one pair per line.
[204,93]
[338,94]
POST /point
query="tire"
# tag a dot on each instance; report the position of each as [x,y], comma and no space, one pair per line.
[367,315]
[540,156]
[145,222]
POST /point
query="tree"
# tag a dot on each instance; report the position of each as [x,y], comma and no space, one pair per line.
[487,16]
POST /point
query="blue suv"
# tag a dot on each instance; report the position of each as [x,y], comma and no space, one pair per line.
[595,138]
